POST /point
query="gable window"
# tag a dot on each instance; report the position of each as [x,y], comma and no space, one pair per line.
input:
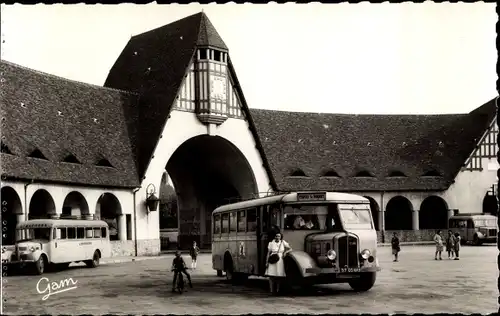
[104,163]
[37,154]
[364,174]
[396,173]
[331,174]
[298,173]
[71,159]
[431,173]
[5,149]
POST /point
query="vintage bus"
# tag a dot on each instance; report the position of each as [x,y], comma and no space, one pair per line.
[332,236]
[58,242]
[475,228]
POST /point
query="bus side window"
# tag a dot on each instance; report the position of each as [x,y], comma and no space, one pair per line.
[61,233]
[217,224]
[54,233]
[232,222]
[225,223]
[242,224]
[71,232]
[252,220]
[80,233]
[89,232]
[103,232]
[97,233]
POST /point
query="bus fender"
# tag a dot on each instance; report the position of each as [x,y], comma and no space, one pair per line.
[303,261]
[479,235]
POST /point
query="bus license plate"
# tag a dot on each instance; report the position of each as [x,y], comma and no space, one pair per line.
[343,270]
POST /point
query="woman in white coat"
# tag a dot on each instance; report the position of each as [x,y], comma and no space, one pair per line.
[276,271]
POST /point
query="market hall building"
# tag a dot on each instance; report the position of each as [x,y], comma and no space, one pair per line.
[172,101]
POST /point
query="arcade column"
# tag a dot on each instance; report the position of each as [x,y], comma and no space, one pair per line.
[414,220]
[122,227]
[450,214]
[381,221]
[20,218]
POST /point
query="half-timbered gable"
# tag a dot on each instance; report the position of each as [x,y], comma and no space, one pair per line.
[485,152]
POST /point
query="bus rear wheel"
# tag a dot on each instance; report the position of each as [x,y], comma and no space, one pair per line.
[94,263]
[364,283]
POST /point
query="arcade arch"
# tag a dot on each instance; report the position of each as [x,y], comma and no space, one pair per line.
[433,213]
[375,211]
[109,209]
[398,214]
[12,211]
[207,171]
[75,204]
[41,205]
[490,204]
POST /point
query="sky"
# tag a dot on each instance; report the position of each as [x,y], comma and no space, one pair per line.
[337,58]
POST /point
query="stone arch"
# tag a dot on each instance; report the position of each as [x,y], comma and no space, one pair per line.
[433,213]
[75,204]
[398,214]
[109,209]
[375,211]
[12,210]
[41,205]
[207,171]
[490,204]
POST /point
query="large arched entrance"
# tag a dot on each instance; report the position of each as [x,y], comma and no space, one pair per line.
[433,213]
[207,171]
[109,209]
[75,205]
[490,204]
[398,214]
[41,205]
[11,208]
[375,211]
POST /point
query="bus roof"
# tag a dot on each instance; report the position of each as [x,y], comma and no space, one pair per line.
[291,198]
[60,222]
[474,216]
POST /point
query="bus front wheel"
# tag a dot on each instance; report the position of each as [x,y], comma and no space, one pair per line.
[40,264]
[477,241]
[364,283]
[219,273]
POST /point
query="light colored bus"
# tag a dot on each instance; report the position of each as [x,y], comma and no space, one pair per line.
[475,228]
[332,236]
[58,242]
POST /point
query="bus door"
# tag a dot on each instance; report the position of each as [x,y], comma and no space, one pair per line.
[471,230]
[269,224]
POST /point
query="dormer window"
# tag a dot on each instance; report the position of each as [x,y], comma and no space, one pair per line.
[396,173]
[5,149]
[330,174]
[217,55]
[363,174]
[104,163]
[202,53]
[298,173]
[71,159]
[211,54]
[37,154]
[431,173]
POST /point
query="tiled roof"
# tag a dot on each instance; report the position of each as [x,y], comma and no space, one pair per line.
[154,64]
[60,118]
[380,145]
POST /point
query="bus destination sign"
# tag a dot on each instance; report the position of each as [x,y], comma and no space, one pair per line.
[317,196]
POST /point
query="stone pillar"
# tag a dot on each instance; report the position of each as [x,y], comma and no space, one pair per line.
[122,227]
[415,219]
[381,221]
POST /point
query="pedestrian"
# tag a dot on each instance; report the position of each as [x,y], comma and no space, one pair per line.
[179,266]
[458,239]
[275,267]
[450,244]
[193,252]
[438,240]
[395,246]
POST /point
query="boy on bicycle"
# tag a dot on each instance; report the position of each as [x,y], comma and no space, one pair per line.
[179,266]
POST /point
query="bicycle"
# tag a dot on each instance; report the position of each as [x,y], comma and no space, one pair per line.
[180,283]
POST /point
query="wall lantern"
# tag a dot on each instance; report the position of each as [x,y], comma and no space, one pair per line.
[151,199]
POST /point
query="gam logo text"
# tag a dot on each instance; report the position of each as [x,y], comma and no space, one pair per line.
[44,286]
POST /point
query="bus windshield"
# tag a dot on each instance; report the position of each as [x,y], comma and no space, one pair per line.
[485,223]
[355,216]
[24,234]
[311,217]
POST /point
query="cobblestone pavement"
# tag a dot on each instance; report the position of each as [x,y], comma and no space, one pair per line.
[416,284]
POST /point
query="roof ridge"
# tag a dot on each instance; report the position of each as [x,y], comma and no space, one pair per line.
[66,79]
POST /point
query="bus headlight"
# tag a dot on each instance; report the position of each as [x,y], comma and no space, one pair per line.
[331,255]
[32,249]
[365,254]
